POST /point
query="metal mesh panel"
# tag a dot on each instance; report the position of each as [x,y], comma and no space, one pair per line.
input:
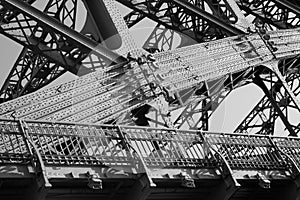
[290,146]
[169,148]
[13,148]
[121,146]
[67,144]
[246,152]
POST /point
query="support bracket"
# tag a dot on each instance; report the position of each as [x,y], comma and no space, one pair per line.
[230,185]
[263,181]
[39,165]
[140,158]
[94,181]
[186,180]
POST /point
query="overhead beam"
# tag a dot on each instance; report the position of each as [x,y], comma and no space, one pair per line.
[188,18]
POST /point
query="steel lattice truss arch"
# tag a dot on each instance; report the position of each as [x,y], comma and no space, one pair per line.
[208,23]
[12,89]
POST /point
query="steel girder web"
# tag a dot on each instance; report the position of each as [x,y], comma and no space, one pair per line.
[133,18]
[47,37]
[185,17]
[32,71]
[277,103]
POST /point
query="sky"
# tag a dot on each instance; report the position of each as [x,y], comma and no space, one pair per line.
[226,118]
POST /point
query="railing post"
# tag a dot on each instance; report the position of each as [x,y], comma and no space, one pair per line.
[142,187]
[128,147]
[292,167]
[38,190]
[230,185]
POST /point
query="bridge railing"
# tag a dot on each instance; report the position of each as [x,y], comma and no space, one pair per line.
[247,151]
[123,146]
[170,148]
[13,147]
[289,146]
[70,144]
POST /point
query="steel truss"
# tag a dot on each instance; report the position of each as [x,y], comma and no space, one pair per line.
[279,14]
[32,71]
[188,17]
[161,39]
[219,8]
[51,45]
[276,103]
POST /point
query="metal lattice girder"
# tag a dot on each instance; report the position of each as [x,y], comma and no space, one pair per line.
[257,80]
[93,99]
[263,116]
[208,98]
[133,18]
[197,113]
[46,36]
[32,71]
[282,14]
[221,8]
[185,17]
[161,39]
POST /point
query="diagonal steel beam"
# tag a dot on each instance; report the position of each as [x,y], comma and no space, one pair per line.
[279,13]
[184,17]
[31,71]
[263,115]
[64,46]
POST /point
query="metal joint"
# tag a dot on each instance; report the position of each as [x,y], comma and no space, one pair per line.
[263,182]
[128,147]
[94,181]
[224,167]
[186,180]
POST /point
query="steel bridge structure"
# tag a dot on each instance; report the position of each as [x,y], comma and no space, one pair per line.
[136,122]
